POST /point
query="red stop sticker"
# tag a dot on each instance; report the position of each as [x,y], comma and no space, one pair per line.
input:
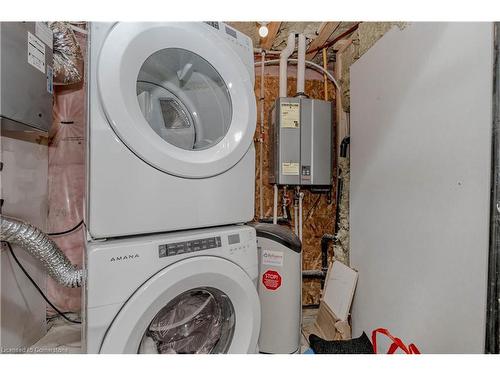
[271,280]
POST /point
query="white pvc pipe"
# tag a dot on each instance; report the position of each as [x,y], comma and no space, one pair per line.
[301,195]
[285,54]
[275,205]
[295,218]
[261,138]
[301,64]
[311,64]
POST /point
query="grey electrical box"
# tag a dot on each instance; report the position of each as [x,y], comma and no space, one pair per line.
[25,76]
[301,140]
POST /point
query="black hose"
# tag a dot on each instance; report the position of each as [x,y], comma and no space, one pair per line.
[288,214]
[325,240]
[37,287]
[343,146]
[340,184]
[280,220]
[321,274]
[66,231]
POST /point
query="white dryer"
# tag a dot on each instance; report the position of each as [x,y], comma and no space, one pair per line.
[171,122]
[185,292]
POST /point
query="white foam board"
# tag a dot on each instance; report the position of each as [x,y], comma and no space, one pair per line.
[339,289]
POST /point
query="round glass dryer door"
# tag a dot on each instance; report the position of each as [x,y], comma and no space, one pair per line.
[184,99]
[178,96]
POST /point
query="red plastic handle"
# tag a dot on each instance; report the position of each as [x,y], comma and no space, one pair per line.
[396,343]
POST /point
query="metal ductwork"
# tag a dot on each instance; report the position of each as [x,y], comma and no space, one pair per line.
[40,246]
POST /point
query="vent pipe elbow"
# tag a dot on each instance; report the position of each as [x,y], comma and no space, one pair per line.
[285,54]
[40,246]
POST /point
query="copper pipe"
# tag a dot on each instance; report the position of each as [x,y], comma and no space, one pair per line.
[325,78]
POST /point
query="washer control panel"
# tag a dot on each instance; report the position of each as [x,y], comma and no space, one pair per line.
[184,247]
[239,242]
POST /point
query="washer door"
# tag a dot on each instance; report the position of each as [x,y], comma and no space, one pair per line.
[198,305]
[178,96]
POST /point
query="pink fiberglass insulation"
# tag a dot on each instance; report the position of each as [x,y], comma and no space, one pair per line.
[67,180]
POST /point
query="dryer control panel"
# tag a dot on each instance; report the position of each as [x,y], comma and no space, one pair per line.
[240,42]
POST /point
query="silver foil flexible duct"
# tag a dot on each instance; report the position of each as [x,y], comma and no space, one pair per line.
[68,57]
[40,246]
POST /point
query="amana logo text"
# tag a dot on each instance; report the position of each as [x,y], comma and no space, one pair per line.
[125,257]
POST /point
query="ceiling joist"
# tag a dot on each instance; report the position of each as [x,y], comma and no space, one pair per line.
[267,42]
[324,34]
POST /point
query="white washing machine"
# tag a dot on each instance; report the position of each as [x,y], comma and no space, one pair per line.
[185,292]
[171,122]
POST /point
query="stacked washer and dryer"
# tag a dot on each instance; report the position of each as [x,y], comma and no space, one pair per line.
[170,268]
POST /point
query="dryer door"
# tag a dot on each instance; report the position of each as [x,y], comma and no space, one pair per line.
[198,305]
[178,96]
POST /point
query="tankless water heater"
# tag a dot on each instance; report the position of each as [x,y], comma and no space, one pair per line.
[301,139]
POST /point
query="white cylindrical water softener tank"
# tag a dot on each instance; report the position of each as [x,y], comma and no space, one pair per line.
[280,289]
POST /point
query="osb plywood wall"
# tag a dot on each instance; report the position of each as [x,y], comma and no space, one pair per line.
[321,212]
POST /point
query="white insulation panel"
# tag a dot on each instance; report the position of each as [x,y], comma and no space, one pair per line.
[421,118]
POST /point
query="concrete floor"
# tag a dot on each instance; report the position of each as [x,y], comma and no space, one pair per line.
[308,319]
[65,338]
[62,338]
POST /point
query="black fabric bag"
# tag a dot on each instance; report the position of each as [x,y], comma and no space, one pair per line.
[360,345]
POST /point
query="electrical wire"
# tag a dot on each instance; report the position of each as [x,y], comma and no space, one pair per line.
[37,287]
[66,231]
